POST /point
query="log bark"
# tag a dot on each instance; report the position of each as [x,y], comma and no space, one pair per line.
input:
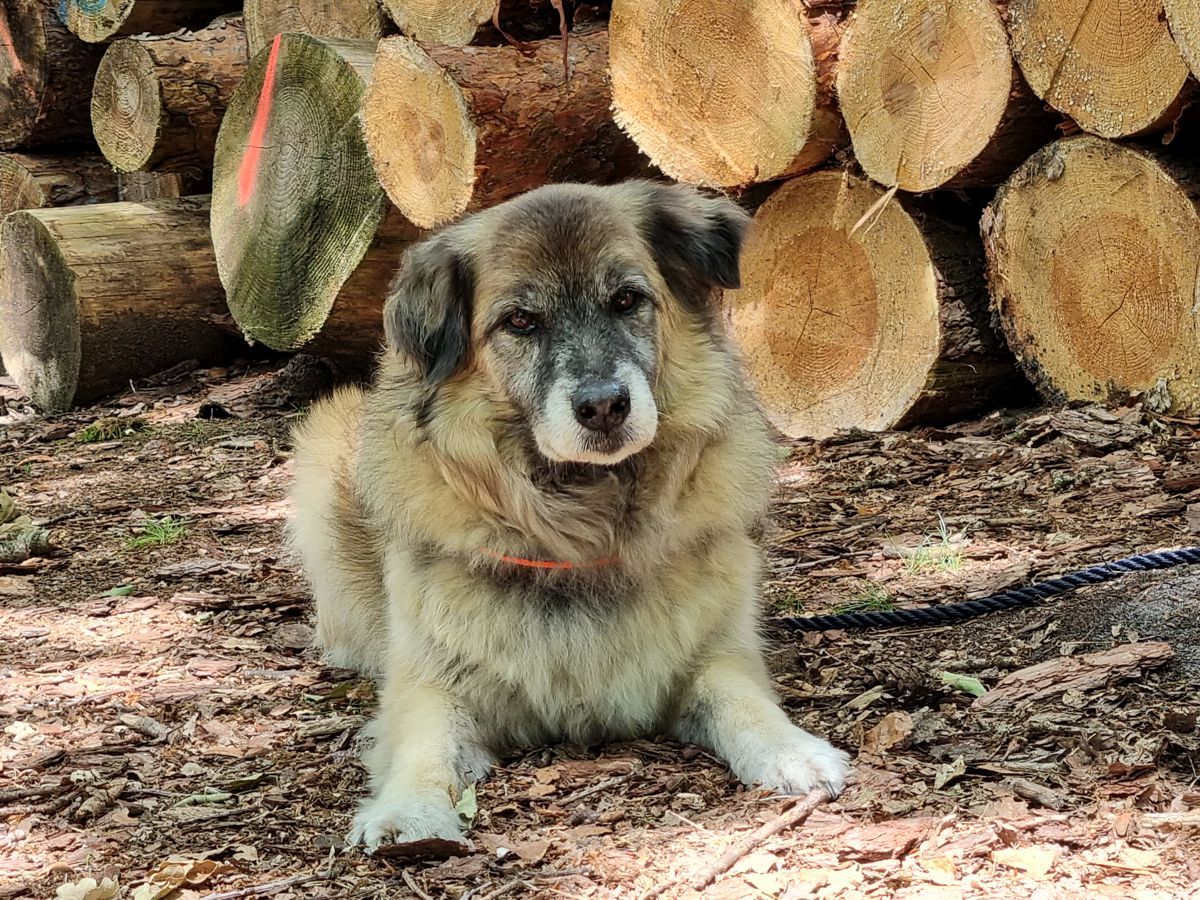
[1183,16]
[457,23]
[136,186]
[726,94]
[296,202]
[1093,249]
[103,20]
[31,182]
[355,19]
[453,129]
[932,98]
[158,101]
[875,328]
[44,73]
[94,296]
[1112,67]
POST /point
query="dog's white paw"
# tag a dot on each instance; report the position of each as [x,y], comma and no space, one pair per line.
[796,765]
[386,820]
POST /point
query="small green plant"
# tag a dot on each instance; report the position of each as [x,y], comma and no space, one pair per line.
[198,429]
[936,552]
[108,428]
[157,534]
[872,598]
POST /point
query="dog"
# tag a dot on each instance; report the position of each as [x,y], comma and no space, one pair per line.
[537,524]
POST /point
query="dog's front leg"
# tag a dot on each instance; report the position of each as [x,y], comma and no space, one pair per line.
[426,745]
[731,710]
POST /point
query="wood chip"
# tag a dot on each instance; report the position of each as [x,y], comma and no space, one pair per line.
[1057,676]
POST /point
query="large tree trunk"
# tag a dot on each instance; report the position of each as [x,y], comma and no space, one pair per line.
[102,20]
[932,98]
[726,94]
[874,328]
[354,19]
[1112,67]
[158,101]
[456,129]
[1093,249]
[93,296]
[461,22]
[44,76]
[1184,19]
[295,199]
[31,182]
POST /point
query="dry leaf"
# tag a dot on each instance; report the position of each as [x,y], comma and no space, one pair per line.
[176,872]
[949,772]
[1036,861]
[531,852]
[88,889]
[893,729]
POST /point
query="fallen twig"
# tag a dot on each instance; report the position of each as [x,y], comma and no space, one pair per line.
[263,890]
[796,814]
[413,886]
[598,787]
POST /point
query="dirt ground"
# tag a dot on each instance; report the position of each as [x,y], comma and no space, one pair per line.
[164,725]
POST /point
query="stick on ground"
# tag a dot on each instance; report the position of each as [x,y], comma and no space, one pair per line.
[790,817]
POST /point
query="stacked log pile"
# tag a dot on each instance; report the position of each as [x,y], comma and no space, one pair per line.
[947,193]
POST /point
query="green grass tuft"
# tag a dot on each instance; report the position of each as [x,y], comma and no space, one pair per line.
[157,534]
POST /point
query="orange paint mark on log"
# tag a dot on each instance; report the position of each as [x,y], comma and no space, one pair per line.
[248,173]
[7,41]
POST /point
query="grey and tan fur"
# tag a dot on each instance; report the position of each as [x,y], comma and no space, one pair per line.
[480,437]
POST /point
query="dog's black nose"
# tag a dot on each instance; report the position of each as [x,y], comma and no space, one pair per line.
[601,405]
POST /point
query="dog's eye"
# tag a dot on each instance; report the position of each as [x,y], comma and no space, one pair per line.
[521,322]
[626,301]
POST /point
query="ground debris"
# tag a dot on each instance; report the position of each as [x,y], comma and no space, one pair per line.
[236,746]
[1075,673]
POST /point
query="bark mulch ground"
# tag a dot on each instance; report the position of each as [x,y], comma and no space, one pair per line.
[165,726]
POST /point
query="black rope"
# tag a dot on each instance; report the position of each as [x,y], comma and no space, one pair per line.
[1015,599]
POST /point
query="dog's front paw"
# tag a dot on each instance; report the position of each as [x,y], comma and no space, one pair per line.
[387,820]
[796,765]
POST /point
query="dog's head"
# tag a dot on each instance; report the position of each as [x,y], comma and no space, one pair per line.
[559,298]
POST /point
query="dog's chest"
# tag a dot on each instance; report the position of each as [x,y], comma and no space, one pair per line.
[575,659]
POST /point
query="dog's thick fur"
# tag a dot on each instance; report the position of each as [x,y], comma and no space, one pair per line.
[406,493]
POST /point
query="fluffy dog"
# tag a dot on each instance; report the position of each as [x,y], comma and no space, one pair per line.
[537,524]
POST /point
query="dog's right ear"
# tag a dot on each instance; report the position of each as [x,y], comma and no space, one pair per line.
[427,316]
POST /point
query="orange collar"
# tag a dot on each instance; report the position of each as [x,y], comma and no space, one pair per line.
[549,564]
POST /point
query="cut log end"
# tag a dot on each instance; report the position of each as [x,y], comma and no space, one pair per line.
[857,329]
[931,95]
[430,173]
[1112,67]
[354,19]
[296,201]
[453,22]
[31,182]
[18,187]
[127,113]
[1093,250]
[717,94]
[1184,19]
[40,340]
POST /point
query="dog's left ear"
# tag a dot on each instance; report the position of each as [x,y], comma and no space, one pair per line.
[427,316]
[696,240]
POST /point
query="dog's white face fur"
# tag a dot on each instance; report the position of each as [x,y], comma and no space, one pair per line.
[560,437]
[558,389]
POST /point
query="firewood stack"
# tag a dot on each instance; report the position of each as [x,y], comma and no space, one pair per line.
[953,198]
